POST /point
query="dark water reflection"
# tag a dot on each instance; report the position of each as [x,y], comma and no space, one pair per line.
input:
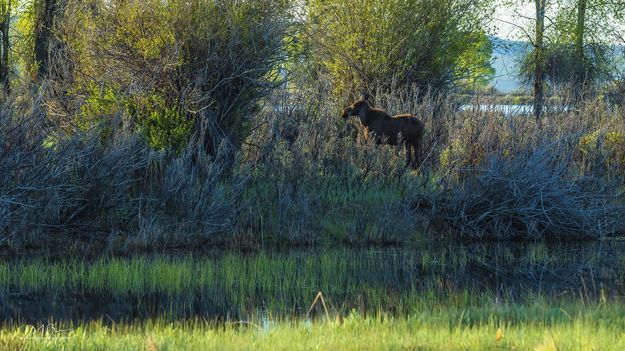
[237,286]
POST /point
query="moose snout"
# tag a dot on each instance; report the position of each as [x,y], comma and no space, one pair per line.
[346,112]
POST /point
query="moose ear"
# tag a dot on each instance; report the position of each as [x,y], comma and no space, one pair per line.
[365,96]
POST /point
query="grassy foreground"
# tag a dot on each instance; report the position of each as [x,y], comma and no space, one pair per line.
[418,331]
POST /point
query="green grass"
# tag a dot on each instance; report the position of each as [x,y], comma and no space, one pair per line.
[394,281]
[331,209]
[300,274]
[281,283]
[429,331]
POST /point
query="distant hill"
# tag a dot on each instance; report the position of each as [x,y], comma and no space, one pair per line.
[506,56]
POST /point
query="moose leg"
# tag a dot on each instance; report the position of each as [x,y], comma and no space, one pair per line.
[412,160]
[408,153]
[417,155]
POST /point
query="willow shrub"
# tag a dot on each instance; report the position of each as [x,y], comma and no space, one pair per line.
[375,44]
[191,63]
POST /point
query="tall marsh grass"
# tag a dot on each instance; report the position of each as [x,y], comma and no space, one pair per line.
[305,176]
[485,174]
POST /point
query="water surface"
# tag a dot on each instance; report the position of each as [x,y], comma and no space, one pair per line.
[506,109]
[227,286]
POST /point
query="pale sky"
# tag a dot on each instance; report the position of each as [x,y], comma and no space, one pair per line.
[508,20]
[511,20]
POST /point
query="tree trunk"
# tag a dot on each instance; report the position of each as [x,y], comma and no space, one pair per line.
[580,64]
[581,26]
[5,25]
[43,35]
[539,74]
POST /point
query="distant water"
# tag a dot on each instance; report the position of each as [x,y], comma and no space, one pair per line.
[505,61]
[507,110]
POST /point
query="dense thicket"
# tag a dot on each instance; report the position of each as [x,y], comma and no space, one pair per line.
[171,68]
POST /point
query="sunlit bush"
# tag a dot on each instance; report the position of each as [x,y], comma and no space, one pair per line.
[378,44]
[203,64]
[603,151]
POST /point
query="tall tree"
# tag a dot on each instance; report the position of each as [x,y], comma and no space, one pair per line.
[580,74]
[539,49]
[580,29]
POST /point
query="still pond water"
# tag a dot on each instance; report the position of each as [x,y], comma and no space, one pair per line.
[232,286]
[506,109]
[509,110]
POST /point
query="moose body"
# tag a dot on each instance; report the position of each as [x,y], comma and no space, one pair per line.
[386,129]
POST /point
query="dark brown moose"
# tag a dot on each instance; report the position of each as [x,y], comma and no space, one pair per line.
[387,129]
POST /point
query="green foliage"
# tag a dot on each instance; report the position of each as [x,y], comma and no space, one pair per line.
[24,48]
[143,27]
[98,104]
[451,153]
[607,146]
[376,44]
[563,69]
[163,126]
[179,61]
[475,62]
[615,142]
[588,142]
[236,48]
